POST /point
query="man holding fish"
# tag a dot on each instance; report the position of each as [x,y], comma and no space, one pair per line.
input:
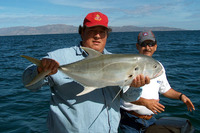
[94,110]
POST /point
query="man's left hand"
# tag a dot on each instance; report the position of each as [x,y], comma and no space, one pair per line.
[140,80]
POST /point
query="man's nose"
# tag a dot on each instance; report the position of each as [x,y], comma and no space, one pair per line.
[147,47]
[97,34]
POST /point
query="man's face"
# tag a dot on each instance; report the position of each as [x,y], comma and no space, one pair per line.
[147,49]
[95,38]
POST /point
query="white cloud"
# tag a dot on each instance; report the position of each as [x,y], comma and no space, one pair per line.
[37,20]
[126,12]
[95,4]
[1,7]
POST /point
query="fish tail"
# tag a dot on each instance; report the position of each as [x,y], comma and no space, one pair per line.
[41,75]
[33,60]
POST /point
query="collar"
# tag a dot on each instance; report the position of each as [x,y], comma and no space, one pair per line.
[80,51]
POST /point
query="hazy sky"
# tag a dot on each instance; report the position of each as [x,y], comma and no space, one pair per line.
[183,14]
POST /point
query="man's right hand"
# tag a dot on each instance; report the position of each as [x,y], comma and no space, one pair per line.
[48,64]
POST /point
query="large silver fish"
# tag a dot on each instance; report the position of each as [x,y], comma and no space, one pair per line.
[100,70]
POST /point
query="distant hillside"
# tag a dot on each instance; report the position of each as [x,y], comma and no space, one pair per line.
[46,29]
[135,28]
[62,29]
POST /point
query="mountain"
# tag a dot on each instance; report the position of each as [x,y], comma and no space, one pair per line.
[135,28]
[63,29]
[46,29]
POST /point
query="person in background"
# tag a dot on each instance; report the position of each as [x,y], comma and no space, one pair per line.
[88,113]
[137,116]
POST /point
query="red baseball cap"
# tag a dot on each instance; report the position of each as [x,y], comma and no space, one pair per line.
[96,19]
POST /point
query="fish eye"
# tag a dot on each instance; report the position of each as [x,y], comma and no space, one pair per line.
[155,66]
[137,68]
[130,76]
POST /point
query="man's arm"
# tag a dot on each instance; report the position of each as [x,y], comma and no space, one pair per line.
[28,75]
[171,93]
[32,71]
[151,104]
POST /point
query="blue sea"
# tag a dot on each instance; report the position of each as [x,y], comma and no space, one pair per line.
[23,111]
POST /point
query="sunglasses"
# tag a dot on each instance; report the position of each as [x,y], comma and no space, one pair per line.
[150,44]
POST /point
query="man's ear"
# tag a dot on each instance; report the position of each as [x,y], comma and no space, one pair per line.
[82,35]
[156,47]
[80,31]
[137,46]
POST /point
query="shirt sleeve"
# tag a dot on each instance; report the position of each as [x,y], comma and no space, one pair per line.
[29,74]
[165,86]
[132,94]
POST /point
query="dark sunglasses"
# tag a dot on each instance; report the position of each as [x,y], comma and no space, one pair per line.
[150,44]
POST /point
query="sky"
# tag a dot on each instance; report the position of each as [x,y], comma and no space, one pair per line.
[184,14]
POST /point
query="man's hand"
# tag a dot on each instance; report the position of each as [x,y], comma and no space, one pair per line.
[154,105]
[188,102]
[140,80]
[151,104]
[48,64]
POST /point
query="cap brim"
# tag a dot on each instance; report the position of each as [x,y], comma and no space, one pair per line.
[140,42]
[96,26]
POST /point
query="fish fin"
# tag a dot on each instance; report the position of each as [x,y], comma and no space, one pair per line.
[121,88]
[125,88]
[33,60]
[38,78]
[125,85]
[91,52]
[86,90]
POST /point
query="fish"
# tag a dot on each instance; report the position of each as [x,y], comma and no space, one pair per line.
[99,70]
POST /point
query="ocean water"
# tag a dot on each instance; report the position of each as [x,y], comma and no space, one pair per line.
[23,111]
